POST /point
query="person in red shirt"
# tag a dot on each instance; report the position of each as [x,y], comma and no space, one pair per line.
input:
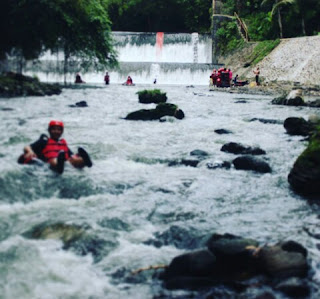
[54,150]
[107,78]
[129,81]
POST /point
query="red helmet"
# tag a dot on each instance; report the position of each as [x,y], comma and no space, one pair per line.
[55,123]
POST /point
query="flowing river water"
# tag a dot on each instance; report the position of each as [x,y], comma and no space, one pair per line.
[132,201]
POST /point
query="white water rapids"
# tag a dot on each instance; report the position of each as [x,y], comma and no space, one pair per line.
[131,194]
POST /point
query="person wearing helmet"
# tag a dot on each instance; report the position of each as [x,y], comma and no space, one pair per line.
[54,150]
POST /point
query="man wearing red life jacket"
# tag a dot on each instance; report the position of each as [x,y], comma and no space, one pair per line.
[55,150]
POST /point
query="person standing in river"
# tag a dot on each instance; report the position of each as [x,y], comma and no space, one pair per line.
[257,73]
[107,78]
[54,150]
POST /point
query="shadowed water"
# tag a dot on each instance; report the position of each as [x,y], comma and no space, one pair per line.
[135,209]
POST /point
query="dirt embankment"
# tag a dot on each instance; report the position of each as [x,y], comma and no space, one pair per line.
[294,63]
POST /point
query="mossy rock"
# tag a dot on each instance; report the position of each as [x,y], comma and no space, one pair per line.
[64,232]
[152,96]
[162,109]
[305,174]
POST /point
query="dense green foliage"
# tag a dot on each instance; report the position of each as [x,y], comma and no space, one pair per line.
[161,15]
[265,17]
[14,85]
[152,96]
[80,27]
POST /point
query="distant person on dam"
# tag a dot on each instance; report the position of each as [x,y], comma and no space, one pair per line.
[54,150]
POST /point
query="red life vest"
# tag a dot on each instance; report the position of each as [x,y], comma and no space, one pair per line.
[53,148]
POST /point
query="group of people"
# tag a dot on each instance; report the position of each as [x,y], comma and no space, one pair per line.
[129,80]
[223,77]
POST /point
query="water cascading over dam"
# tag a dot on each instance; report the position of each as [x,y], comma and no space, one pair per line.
[170,58]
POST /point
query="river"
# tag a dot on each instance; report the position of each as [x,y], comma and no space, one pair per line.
[131,195]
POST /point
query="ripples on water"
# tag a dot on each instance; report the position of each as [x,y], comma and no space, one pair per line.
[138,210]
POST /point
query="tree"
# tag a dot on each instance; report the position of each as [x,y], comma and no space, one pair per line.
[81,27]
[276,9]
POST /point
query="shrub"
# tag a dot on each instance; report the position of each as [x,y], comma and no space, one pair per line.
[152,96]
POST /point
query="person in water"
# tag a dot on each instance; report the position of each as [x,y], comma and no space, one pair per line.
[78,79]
[129,81]
[107,78]
[54,150]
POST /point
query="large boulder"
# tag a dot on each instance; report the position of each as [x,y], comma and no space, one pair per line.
[283,260]
[298,126]
[251,163]
[237,148]
[235,256]
[196,263]
[162,109]
[304,177]
[294,98]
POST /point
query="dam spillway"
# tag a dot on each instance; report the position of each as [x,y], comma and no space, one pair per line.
[170,58]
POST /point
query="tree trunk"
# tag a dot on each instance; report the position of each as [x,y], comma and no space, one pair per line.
[280,23]
[303,25]
[65,64]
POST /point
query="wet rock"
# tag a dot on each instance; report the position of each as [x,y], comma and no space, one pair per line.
[223,131]
[185,162]
[251,163]
[235,256]
[267,121]
[74,237]
[194,264]
[278,262]
[315,103]
[304,177]
[6,109]
[79,104]
[62,231]
[90,244]
[199,153]
[298,126]
[215,165]
[178,237]
[231,259]
[294,98]
[294,287]
[162,109]
[114,223]
[237,148]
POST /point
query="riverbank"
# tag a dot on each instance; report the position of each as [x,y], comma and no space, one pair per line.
[14,85]
[293,64]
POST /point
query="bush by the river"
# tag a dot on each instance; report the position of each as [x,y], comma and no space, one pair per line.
[152,96]
[15,85]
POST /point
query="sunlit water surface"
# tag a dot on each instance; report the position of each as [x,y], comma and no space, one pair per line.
[131,195]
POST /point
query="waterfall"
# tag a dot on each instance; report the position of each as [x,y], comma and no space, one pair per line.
[195,43]
[171,58]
